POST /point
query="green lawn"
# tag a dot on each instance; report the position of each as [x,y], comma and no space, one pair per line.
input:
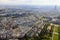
[55,36]
[59,28]
[55,29]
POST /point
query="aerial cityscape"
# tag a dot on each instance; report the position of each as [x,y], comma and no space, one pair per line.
[29,22]
[29,19]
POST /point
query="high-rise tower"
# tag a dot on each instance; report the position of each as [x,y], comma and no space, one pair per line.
[55,7]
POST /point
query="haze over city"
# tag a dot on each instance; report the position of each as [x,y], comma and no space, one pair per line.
[30,2]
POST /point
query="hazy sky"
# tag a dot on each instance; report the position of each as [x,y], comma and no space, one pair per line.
[30,2]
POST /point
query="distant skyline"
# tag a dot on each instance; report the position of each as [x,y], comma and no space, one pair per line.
[30,2]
